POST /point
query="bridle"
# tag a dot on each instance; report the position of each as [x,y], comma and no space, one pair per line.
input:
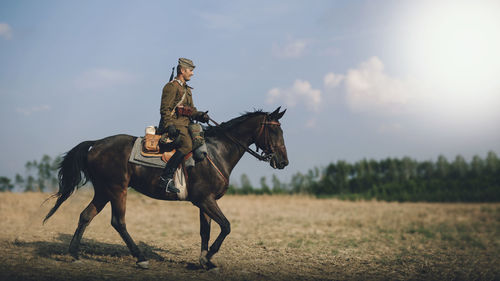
[268,149]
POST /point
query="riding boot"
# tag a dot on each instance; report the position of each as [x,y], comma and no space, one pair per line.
[167,176]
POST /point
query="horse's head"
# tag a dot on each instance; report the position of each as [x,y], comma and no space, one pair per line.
[270,139]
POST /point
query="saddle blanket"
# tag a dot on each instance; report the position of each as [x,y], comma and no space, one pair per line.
[150,161]
[155,161]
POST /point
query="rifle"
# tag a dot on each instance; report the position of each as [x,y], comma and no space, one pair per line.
[171,75]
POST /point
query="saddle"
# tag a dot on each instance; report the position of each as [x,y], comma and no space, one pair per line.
[154,145]
[151,147]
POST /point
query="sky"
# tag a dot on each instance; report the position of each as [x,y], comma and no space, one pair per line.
[359,79]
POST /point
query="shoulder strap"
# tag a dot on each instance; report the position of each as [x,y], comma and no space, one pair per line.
[179,103]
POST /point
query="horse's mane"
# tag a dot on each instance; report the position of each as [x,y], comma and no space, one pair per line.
[226,126]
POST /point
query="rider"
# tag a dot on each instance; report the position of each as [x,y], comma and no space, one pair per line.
[177,110]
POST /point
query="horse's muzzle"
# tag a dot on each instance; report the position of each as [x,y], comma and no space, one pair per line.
[278,163]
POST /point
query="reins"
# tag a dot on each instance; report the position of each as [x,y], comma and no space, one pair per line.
[262,156]
[226,181]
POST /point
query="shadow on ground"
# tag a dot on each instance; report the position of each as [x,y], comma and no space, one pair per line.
[89,248]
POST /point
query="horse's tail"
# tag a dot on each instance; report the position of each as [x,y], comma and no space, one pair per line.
[70,174]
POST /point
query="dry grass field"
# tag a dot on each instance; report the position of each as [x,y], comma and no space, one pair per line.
[272,238]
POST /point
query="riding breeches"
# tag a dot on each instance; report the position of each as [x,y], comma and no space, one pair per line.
[186,143]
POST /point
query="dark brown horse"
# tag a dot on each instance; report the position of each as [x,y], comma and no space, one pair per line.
[105,163]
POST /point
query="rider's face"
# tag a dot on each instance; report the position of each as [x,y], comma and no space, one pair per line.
[187,73]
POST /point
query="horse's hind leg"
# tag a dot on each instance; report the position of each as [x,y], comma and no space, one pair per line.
[118,206]
[95,206]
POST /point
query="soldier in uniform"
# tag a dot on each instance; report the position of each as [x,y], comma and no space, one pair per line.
[177,110]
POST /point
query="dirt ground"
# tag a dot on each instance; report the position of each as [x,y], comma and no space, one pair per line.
[272,238]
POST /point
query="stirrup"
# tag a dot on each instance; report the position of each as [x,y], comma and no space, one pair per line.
[169,185]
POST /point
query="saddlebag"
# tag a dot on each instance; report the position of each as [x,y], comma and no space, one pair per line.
[151,143]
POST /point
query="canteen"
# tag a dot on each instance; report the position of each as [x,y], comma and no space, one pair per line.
[150,130]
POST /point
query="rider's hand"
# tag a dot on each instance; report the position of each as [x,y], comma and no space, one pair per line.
[204,117]
[172,132]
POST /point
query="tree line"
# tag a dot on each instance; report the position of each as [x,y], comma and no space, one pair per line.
[393,179]
[39,176]
[390,179]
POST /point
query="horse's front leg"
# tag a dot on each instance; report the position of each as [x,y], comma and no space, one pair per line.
[209,207]
[205,237]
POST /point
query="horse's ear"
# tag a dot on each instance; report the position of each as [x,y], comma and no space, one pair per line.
[280,115]
[274,114]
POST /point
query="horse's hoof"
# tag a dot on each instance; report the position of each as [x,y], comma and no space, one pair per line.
[143,264]
[74,255]
[207,264]
[214,270]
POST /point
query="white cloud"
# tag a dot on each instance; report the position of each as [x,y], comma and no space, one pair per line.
[26,111]
[301,92]
[293,49]
[102,78]
[368,86]
[332,80]
[369,89]
[5,30]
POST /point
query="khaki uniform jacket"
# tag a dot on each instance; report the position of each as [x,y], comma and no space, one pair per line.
[172,94]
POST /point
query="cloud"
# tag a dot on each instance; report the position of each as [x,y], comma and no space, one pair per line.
[369,89]
[293,49]
[332,80]
[368,86]
[27,111]
[103,78]
[365,88]
[5,31]
[301,92]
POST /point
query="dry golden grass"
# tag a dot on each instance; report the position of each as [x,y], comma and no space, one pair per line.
[272,238]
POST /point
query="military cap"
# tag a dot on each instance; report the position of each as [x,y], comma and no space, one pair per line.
[186,63]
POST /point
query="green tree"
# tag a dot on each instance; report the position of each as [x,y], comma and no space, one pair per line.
[246,185]
[341,176]
[277,185]
[492,163]
[40,175]
[425,170]
[5,184]
[442,167]
[30,184]
[477,166]
[459,167]
[264,187]
[54,167]
[46,173]
[232,189]
[408,169]
[30,180]
[297,182]
[19,182]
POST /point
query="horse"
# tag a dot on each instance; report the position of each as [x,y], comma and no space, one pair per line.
[105,163]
